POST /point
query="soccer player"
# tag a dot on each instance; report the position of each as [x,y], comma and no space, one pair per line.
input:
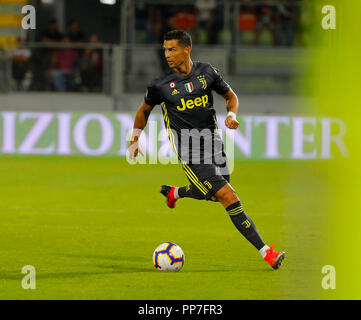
[185,95]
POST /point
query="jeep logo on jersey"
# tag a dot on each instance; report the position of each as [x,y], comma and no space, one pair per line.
[189,87]
[191,103]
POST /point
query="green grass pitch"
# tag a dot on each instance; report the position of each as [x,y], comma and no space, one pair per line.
[89,226]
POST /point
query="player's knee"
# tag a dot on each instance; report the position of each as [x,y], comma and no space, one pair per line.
[230,197]
[227,195]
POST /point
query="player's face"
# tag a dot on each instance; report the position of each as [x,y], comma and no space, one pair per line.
[175,54]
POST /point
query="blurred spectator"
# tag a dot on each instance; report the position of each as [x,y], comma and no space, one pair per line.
[160,20]
[140,19]
[52,33]
[247,19]
[286,17]
[63,68]
[74,33]
[185,20]
[217,24]
[39,64]
[265,21]
[168,14]
[92,66]
[266,15]
[20,66]
[205,12]
[277,17]
[153,25]
[63,64]
[42,57]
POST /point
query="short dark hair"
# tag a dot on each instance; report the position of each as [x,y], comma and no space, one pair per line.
[182,36]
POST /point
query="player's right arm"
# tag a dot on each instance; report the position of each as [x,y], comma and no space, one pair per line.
[140,123]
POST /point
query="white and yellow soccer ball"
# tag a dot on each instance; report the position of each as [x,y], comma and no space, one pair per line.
[168,257]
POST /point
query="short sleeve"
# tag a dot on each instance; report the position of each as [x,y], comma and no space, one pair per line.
[151,95]
[218,85]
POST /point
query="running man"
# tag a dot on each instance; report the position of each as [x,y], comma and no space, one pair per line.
[185,95]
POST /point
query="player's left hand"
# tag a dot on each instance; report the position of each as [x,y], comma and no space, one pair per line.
[231,123]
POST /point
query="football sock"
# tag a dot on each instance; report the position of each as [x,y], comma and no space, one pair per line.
[263,250]
[189,192]
[245,225]
[176,195]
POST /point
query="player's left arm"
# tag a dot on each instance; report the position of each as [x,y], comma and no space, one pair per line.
[232,108]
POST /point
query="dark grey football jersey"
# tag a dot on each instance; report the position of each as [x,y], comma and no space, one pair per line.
[187,106]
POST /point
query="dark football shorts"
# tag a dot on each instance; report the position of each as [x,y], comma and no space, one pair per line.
[207,178]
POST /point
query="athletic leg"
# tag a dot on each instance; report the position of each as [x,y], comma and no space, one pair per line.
[230,201]
[189,191]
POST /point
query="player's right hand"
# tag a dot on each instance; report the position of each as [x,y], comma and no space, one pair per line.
[134,149]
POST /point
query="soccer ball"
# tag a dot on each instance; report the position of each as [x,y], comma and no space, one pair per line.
[168,257]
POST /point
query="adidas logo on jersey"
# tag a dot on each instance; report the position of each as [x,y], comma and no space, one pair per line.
[175,91]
